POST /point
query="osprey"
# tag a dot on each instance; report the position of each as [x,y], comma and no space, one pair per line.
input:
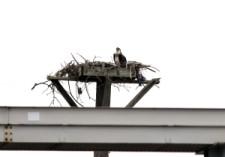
[119,59]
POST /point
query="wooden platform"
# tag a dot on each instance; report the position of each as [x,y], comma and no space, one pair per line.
[94,71]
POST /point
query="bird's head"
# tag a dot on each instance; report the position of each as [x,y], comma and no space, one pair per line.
[118,50]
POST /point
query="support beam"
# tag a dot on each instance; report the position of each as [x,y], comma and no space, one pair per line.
[138,97]
[101,154]
[64,93]
[137,129]
[103,95]
[215,151]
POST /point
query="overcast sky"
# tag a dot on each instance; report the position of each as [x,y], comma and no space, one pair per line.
[184,39]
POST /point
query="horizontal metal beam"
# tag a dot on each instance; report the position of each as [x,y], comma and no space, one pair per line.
[141,129]
[112,116]
[94,79]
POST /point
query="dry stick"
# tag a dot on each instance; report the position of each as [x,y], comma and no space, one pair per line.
[51,87]
[88,92]
[75,59]
[72,95]
[157,86]
[151,68]
[58,101]
[95,57]
[82,57]
[155,68]
[52,91]
[47,89]
[86,88]
[62,66]
[41,83]
[54,98]
[77,94]
[116,86]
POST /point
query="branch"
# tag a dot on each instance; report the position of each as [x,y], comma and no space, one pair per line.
[41,83]
[82,57]
[72,95]
[95,57]
[88,92]
[75,59]
[50,85]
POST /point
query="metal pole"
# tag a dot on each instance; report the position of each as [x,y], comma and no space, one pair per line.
[215,151]
[103,94]
[64,93]
[138,97]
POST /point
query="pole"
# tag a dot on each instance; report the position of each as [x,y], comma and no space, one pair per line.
[138,97]
[64,93]
[103,95]
[215,151]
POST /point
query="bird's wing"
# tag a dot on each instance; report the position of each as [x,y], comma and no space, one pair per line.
[114,55]
[123,58]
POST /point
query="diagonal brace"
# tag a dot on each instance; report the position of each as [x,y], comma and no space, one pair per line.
[64,93]
[138,97]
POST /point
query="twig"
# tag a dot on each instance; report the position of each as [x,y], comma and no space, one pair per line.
[75,59]
[41,83]
[54,98]
[51,92]
[151,70]
[85,84]
[95,58]
[82,57]
[72,95]
[116,87]
[77,95]
[157,86]
[46,90]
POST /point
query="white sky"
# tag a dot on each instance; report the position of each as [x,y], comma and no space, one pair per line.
[184,39]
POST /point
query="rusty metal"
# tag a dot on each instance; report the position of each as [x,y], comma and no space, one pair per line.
[8,134]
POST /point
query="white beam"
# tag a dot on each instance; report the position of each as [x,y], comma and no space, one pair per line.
[145,129]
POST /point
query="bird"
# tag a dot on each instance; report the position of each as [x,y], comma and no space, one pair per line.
[119,59]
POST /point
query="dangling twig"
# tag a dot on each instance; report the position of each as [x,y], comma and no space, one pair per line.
[50,85]
[54,98]
[72,95]
[85,84]
[117,87]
